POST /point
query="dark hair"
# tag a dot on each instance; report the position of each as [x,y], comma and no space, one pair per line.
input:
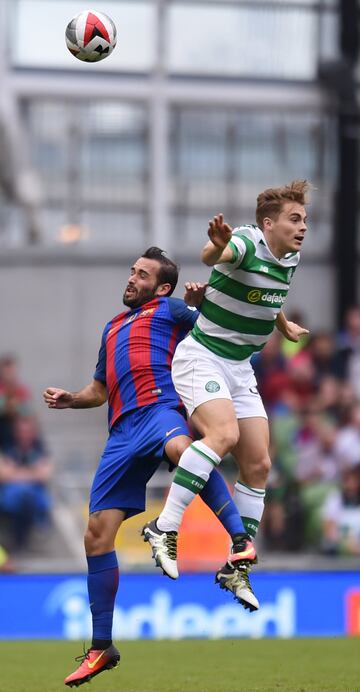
[168,272]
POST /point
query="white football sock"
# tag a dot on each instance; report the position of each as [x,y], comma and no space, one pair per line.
[191,475]
[250,503]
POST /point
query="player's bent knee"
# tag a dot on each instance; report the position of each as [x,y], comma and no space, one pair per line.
[97,545]
[222,440]
[91,541]
[267,465]
[256,474]
[175,448]
[96,539]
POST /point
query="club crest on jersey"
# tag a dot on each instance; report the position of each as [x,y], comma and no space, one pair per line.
[144,313]
[212,386]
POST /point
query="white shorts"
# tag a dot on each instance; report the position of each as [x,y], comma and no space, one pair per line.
[200,375]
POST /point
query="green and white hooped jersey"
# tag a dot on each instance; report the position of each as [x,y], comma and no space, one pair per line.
[244,296]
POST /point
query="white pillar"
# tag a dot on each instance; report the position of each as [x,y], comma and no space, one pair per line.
[22,180]
[159,212]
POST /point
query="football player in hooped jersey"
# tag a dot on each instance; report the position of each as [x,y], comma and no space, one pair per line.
[147,423]
[212,373]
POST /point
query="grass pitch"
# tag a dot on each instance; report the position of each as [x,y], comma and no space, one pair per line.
[301,665]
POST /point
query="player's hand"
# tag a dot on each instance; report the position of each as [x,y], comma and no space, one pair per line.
[293,331]
[219,232]
[194,293]
[57,398]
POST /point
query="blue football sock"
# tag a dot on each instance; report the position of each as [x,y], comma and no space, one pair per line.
[103,581]
[217,497]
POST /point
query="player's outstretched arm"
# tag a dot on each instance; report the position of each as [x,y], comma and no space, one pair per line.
[290,330]
[216,249]
[92,395]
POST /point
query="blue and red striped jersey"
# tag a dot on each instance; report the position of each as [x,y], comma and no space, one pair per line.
[136,352]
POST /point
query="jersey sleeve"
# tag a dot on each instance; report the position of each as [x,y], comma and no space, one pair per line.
[100,370]
[182,314]
[240,240]
[237,246]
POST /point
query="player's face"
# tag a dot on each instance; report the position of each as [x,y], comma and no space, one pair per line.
[287,232]
[142,284]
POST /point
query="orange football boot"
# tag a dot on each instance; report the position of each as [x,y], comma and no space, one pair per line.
[243,552]
[234,575]
[92,663]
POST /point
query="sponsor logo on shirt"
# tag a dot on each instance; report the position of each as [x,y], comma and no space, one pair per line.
[255,296]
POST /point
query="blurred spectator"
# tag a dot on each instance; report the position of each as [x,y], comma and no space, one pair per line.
[302,377]
[346,400]
[316,457]
[341,515]
[285,422]
[25,470]
[277,374]
[348,354]
[348,440]
[291,348]
[283,522]
[14,398]
[310,394]
[322,349]
[316,471]
[270,370]
[328,397]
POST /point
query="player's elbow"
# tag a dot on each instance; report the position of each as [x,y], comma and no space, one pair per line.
[206,259]
[99,393]
[101,401]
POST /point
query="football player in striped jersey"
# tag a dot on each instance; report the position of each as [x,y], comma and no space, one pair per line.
[147,423]
[252,269]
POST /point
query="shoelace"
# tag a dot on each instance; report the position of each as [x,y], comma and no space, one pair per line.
[242,576]
[171,544]
[84,655]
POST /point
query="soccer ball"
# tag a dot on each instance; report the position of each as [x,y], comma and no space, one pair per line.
[91,36]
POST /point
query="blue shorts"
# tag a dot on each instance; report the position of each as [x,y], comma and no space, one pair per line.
[133,452]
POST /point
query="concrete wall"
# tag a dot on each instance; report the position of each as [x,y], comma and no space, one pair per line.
[52,313]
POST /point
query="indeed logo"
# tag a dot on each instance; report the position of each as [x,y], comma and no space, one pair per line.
[159,618]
